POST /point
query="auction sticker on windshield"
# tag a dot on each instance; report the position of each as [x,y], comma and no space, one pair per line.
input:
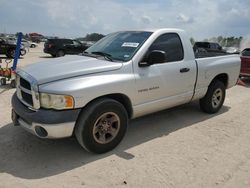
[130,44]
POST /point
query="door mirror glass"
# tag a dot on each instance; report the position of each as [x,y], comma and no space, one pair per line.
[156,56]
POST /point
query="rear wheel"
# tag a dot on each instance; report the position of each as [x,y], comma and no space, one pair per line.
[22,52]
[101,125]
[60,53]
[214,98]
[3,81]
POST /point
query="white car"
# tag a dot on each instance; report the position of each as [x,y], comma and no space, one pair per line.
[25,43]
[33,44]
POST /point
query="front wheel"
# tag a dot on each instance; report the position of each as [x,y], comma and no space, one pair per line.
[101,125]
[214,98]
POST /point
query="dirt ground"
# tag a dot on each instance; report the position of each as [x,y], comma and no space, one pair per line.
[180,147]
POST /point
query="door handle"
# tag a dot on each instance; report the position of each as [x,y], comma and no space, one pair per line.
[183,70]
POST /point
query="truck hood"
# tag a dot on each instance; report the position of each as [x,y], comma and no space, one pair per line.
[67,67]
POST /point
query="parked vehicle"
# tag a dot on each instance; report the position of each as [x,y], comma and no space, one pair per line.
[60,47]
[25,43]
[245,63]
[208,47]
[36,37]
[123,76]
[33,45]
[232,50]
[11,40]
[7,48]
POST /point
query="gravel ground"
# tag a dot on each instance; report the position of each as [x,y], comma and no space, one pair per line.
[180,147]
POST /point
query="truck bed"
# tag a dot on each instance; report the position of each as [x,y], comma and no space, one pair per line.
[210,54]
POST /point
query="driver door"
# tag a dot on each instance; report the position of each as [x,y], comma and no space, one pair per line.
[169,83]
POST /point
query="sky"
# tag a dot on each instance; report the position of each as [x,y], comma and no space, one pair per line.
[75,18]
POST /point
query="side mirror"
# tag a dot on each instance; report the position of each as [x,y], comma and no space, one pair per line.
[154,57]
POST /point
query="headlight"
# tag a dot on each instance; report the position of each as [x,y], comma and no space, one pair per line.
[58,102]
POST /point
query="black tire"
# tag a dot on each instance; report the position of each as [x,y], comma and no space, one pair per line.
[88,118]
[60,53]
[3,81]
[23,52]
[10,53]
[214,98]
[32,45]
[13,83]
[53,55]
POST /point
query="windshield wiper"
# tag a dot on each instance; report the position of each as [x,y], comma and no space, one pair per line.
[105,55]
[86,54]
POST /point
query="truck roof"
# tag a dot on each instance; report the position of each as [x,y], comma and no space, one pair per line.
[156,30]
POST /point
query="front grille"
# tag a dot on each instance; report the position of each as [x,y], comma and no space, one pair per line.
[27,90]
[24,91]
[25,84]
[27,98]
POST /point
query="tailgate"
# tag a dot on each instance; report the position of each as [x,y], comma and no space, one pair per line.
[245,65]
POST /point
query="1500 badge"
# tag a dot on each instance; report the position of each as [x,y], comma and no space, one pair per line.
[148,89]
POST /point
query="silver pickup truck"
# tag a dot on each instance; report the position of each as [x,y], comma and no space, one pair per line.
[125,75]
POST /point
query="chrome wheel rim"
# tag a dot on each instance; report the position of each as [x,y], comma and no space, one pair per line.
[106,127]
[217,98]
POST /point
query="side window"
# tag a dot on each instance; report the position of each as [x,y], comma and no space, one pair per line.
[2,41]
[171,44]
[214,46]
[76,43]
[69,42]
[246,52]
[66,41]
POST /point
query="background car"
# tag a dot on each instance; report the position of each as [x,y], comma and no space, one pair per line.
[25,43]
[8,48]
[60,47]
[245,63]
[209,47]
[232,50]
[33,44]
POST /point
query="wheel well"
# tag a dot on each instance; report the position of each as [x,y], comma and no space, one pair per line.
[223,78]
[123,99]
[60,50]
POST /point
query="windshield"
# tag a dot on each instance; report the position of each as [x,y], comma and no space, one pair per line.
[246,52]
[120,46]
